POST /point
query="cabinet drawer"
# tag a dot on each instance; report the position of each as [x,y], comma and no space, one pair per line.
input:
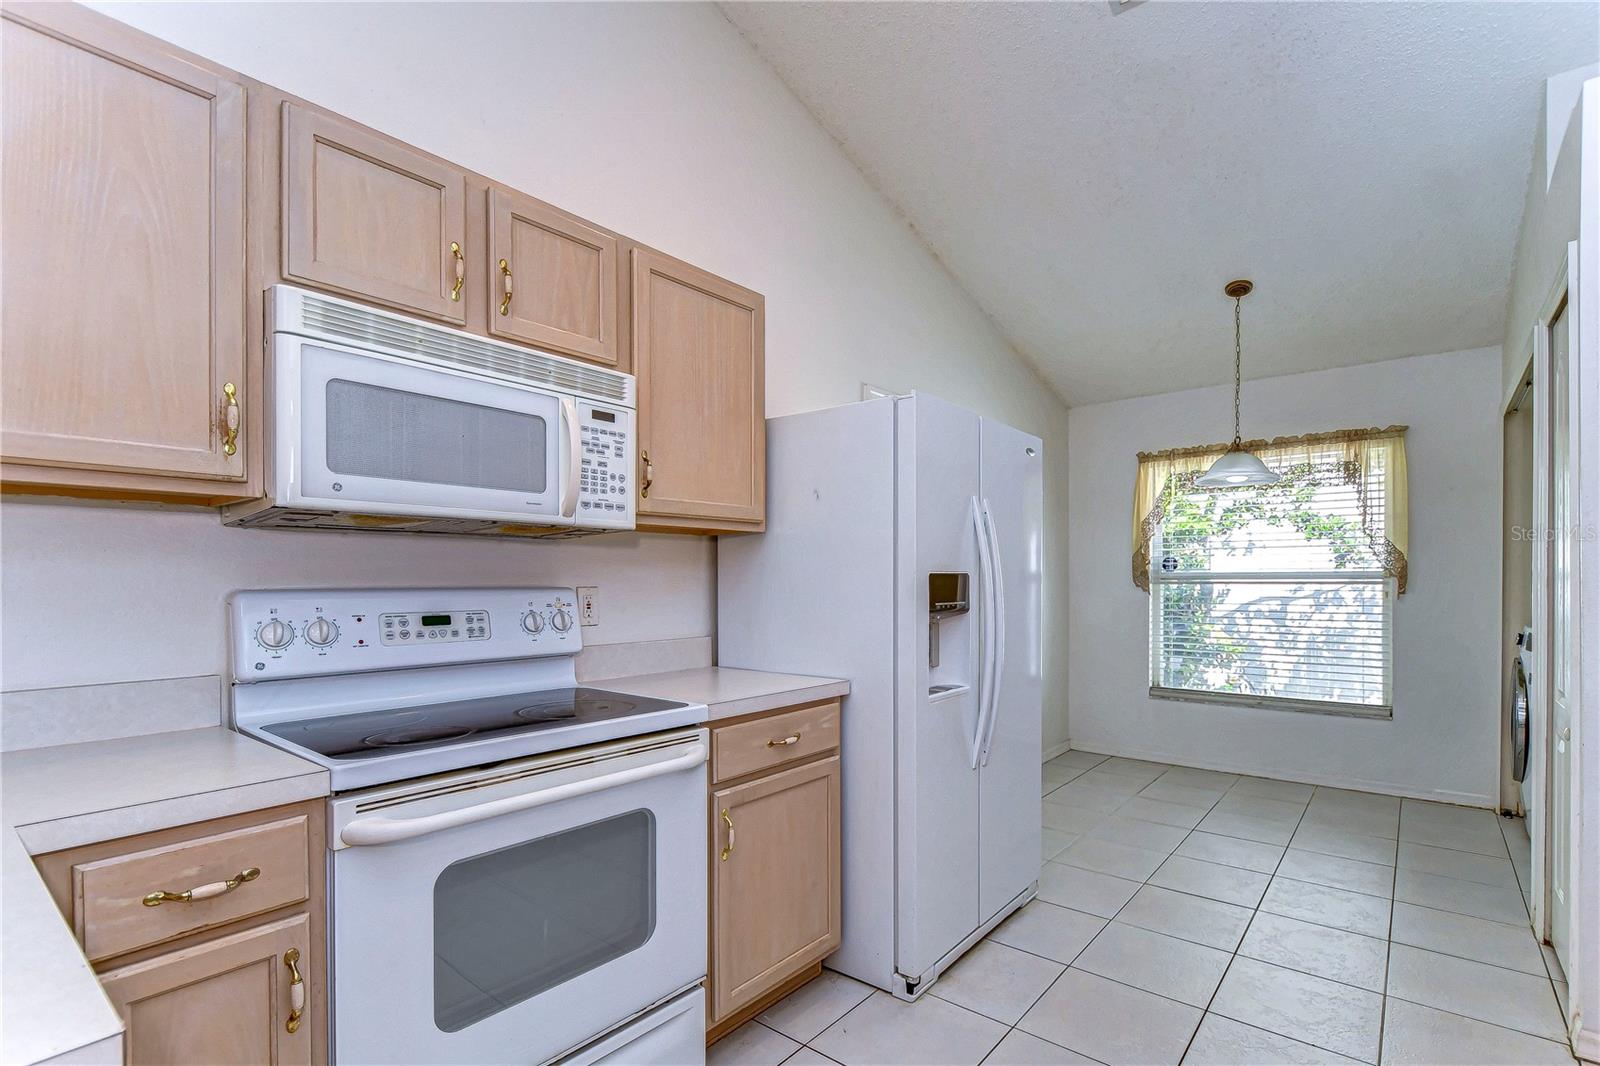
[776,740]
[111,917]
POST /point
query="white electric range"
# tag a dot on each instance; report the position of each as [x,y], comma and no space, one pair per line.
[517,862]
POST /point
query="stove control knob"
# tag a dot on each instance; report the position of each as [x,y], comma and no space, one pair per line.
[562,620]
[275,635]
[321,633]
[533,623]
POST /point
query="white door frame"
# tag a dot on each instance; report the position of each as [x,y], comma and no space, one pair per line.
[1583,330]
[1563,297]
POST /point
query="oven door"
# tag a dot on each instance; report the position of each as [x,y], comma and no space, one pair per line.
[365,433]
[513,913]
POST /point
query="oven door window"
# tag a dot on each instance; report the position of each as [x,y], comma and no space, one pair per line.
[512,923]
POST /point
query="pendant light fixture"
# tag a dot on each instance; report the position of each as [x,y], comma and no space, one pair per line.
[1238,466]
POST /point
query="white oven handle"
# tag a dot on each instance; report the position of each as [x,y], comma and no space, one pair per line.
[569,484]
[381,830]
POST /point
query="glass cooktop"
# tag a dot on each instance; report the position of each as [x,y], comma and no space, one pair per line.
[373,734]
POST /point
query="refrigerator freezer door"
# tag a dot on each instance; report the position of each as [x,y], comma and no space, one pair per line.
[1013,488]
[937,788]
[816,594]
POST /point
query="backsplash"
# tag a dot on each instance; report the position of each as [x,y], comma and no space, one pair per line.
[99,595]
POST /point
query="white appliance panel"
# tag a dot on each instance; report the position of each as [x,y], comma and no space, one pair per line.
[673,1034]
[1010,770]
[937,792]
[815,594]
[513,913]
[857,493]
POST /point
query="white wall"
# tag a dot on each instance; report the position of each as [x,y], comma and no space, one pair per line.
[1549,221]
[1443,741]
[657,120]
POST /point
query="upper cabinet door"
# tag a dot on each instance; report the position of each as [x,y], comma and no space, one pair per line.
[698,352]
[552,279]
[123,257]
[366,216]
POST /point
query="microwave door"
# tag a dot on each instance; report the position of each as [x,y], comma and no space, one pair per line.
[378,435]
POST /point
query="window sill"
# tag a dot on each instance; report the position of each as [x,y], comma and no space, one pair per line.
[1274,703]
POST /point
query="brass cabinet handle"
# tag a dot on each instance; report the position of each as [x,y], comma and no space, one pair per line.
[792,738]
[649,475]
[505,300]
[461,270]
[230,418]
[215,888]
[297,990]
[729,849]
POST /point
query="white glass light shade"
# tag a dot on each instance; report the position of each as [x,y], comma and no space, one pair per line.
[1236,467]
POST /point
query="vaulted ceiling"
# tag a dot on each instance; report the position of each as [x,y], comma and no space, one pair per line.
[1093,172]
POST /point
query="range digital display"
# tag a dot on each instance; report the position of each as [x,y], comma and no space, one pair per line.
[431,620]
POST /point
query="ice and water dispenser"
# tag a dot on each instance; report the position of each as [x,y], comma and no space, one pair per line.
[947,598]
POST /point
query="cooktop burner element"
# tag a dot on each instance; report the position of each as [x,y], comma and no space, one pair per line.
[375,733]
[398,737]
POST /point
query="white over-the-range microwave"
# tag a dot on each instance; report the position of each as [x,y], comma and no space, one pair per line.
[377,421]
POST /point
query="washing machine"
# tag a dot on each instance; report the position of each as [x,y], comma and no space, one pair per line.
[1522,711]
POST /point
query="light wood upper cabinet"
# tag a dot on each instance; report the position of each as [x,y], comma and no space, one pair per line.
[552,279]
[369,217]
[698,352]
[222,1002]
[774,881]
[123,215]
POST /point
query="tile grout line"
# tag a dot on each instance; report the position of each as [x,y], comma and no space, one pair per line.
[1256,910]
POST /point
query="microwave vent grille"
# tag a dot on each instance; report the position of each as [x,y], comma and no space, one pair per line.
[405,337]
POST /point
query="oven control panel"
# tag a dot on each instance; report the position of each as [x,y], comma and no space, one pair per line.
[605,466]
[283,633]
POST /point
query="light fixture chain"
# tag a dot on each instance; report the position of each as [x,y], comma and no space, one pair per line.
[1238,368]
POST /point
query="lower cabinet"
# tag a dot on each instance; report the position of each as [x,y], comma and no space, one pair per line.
[208,938]
[238,999]
[775,878]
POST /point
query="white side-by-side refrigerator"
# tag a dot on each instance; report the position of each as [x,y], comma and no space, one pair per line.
[904,552]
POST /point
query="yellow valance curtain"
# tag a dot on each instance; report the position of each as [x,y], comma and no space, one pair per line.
[1351,453]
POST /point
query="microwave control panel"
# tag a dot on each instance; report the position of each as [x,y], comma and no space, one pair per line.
[607,464]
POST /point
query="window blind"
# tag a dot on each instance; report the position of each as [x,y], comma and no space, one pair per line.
[1274,594]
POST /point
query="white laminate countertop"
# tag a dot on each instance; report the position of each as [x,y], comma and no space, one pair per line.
[51,1003]
[726,692]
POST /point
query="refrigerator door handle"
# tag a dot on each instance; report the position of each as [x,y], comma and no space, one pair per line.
[986,634]
[998,660]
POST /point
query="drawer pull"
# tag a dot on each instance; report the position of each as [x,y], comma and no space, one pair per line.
[729,849]
[792,738]
[215,888]
[505,301]
[461,270]
[297,989]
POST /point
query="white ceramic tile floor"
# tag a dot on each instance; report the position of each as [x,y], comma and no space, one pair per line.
[1186,915]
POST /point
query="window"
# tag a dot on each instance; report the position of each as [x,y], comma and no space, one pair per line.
[1277,595]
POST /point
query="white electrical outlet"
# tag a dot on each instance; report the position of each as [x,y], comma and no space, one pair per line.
[588,605]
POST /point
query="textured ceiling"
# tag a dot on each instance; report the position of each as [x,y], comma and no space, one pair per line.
[1093,178]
